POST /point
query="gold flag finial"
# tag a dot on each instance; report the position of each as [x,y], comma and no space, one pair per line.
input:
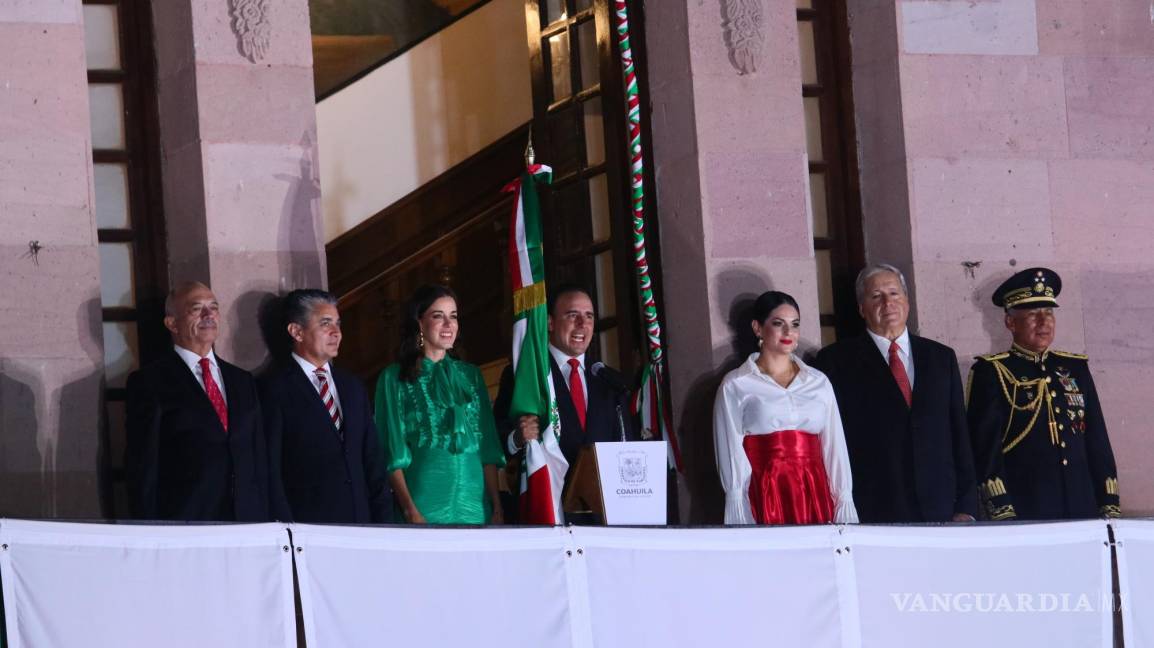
[530,155]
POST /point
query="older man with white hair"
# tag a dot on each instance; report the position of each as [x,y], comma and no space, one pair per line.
[903,410]
[196,448]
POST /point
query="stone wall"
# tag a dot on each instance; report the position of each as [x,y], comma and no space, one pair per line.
[52,351]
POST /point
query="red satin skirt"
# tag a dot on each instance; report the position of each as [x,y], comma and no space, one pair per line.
[789,484]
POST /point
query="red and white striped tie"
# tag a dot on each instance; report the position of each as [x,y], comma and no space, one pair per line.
[327,398]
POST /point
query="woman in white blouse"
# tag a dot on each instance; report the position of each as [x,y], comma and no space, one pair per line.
[780,448]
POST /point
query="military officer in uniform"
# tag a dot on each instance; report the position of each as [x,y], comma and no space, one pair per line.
[1039,438]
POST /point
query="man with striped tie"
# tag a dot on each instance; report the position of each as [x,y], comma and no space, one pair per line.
[195,445]
[324,458]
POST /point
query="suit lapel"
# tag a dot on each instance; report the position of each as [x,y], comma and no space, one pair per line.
[309,393]
[872,358]
[560,380]
[921,366]
[181,375]
[230,388]
[234,399]
[340,381]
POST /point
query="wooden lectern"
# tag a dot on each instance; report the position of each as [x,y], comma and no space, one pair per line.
[582,500]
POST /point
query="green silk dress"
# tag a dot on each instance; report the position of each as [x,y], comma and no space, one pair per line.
[440,431]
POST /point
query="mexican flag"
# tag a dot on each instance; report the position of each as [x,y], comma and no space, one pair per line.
[543,472]
[648,403]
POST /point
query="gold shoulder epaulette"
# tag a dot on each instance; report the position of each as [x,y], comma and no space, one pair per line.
[1067,354]
[993,356]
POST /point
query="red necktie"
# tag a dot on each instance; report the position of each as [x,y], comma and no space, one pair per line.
[328,400]
[576,390]
[899,371]
[214,395]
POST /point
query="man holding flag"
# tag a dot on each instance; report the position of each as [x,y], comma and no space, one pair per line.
[592,406]
[550,403]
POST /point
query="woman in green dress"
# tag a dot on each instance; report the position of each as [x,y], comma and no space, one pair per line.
[436,422]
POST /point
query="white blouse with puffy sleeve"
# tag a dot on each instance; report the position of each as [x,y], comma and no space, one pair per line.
[750,402]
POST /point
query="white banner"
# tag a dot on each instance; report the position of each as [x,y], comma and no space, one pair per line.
[94,585]
[1135,541]
[434,587]
[87,585]
[712,587]
[994,585]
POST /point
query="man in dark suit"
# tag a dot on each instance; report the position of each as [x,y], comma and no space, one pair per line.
[325,460]
[592,407]
[195,447]
[1036,422]
[903,411]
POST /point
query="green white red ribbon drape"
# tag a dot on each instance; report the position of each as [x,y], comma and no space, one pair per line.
[649,400]
[544,468]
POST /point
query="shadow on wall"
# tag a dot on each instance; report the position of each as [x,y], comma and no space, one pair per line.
[50,438]
[993,318]
[334,191]
[299,261]
[21,480]
[737,288]
[80,442]
[79,448]
[270,317]
[259,309]
[299,240]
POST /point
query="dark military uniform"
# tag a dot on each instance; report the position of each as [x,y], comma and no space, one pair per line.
[1040,444]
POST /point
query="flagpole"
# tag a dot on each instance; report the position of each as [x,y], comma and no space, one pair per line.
[544,468]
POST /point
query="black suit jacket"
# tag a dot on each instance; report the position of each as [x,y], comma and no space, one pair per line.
[315,475]
[180,462]
[601,421]
[909,463]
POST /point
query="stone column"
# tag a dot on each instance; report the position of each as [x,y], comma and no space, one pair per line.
[52,352]
[732,174]
[238,132]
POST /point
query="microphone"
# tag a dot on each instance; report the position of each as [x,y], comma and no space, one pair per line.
[609,375]
[616,381]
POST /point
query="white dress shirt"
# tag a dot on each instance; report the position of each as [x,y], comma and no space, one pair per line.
[904,351]
[562,360]
[751,402]
[193,362]
[311,373]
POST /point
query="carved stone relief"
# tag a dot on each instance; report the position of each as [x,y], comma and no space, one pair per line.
[250,23]
[744,22]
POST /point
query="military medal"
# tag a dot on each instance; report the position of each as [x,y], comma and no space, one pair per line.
[1068,382]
